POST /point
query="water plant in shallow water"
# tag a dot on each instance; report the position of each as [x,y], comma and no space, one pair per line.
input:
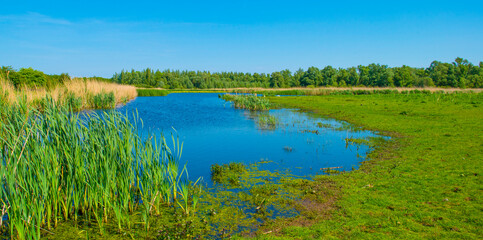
[267,122]
[227,173]
[56,165]
[250,102]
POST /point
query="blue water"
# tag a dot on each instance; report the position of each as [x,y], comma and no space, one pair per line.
[214,132]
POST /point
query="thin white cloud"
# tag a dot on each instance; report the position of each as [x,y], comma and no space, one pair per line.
[33,17]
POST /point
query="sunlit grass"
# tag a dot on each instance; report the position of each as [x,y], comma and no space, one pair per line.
[422,184]
[83,93]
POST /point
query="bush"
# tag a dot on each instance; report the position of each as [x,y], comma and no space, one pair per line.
[28,77]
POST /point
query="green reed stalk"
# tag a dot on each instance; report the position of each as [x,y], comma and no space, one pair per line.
[57,164]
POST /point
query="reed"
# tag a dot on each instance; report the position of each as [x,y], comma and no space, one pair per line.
[82,93]
[250,102]
[267,122]
[59,165]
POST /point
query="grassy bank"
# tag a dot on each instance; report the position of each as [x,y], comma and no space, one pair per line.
[146,92]
[424,183]
[349,91]
[79,93]
[323,91]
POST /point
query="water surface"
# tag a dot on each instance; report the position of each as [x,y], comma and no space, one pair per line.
[214,132]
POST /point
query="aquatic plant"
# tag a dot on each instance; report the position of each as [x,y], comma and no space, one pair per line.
[227,173]
[267,121]
[250,102]
[57,165]
[103,100]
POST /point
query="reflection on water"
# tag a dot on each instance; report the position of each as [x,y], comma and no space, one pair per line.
[214,132]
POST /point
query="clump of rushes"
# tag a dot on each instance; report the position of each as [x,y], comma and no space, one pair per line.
[57,165]
[267,121]
[103,100]
[250,102]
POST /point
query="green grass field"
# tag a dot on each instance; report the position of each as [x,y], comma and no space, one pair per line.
[424,183]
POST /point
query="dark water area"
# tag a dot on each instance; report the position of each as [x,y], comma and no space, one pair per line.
[213,132]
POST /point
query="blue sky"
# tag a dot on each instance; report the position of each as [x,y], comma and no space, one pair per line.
[86,38]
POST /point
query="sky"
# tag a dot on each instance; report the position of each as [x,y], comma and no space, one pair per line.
[99,38]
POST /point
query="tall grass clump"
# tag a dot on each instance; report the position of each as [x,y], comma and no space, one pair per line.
[267,121]
[61,166]
[250,102]
[103,100]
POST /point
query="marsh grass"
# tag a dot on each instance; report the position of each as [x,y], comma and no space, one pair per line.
[267,122]
[82,93]
[250,102]
[57,166]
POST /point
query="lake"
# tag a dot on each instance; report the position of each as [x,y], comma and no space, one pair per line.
[214,132]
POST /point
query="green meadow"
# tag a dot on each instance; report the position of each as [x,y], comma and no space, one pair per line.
[423,183]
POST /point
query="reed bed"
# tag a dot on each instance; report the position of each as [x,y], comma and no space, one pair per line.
[80,93]
[250,102]
[57,165]
[81,87]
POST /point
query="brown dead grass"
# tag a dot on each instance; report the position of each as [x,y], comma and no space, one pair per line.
[80,87]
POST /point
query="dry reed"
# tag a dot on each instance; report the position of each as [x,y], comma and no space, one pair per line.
[79,87]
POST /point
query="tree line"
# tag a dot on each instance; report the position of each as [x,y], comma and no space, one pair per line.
[460,73]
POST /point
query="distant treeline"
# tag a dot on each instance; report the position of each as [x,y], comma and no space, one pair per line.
[29,77]
[459,73]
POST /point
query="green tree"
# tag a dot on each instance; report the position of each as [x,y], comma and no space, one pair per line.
[403,76]
[28,77]
[276,80]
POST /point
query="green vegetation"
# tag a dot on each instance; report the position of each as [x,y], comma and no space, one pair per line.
[459,73]
[31,78]
[267,121]
[57,167]
[103,100]
[64,176]
[227,173]
[151,92]
[424,183]
[317,92]
[250,102]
